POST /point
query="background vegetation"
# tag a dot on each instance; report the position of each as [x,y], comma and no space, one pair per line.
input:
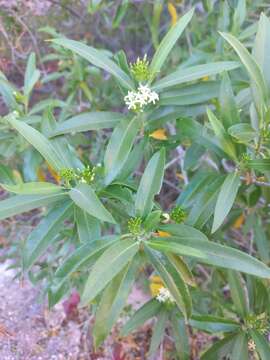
[140,130]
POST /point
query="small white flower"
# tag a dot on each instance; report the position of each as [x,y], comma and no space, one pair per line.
[164,296]
[140,98]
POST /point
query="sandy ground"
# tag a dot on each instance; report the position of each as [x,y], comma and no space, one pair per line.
[29,331]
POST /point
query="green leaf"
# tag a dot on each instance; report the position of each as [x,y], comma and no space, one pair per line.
[111,262]
[39,141]
[182,268]
[210,253]
[229,111]
[33,188]
[225,143]
[88,227]
[220,349]
[203,207]
[6,175]
[32,74]
[239,15]
[88,121]
[190,94]
[61,145]
[262,345]
[250,64]
[44,234]
[22,203]
[243,133]
[147,311]
[261,48]
[45,104]
[85,197]
[152,220]
[7,92]
[175,284]
[181,336]
[213,324]
[100,329]
[158,331]
[238,293]
[97,58]
[85,255]
[134,160]
[150,183]
[119,147]
[168,43]
[240,347]
[183,231]
[259,164]
[113,300]
[192,73]
[226,199]
[197,182]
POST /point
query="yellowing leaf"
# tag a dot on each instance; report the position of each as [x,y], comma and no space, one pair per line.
[41,175]
[239,222]
[163,233]
[159,134]
[180,176]
[205,78]
[173,13]
[54,174]
[155,285]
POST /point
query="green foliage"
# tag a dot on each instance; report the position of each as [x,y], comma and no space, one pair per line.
[198,130]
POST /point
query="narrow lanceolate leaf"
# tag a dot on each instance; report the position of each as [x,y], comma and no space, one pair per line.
[119,147]
[88,121]
[224,141]
[249,62]
[97,58]
[240,347]
[44,234]
[33,188]
[178,289]
[113,300]
[229,111]
[22,203]
[168,43]
[158,331]
[210,253]
[111,262]
[181,337]
[182,268]
[88,227]
[40,142]
[226,199]
[32,75]
[150,183]
[261,50]
[243,132]
[220,349]
[7,92]
[259,164]
[85,255]
[238,293]
[146,312]
[85,197]
[194,73]
[262,345]
[100,331]
[213,324]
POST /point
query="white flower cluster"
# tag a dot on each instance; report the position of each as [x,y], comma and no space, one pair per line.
[164,296]
[136,100]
